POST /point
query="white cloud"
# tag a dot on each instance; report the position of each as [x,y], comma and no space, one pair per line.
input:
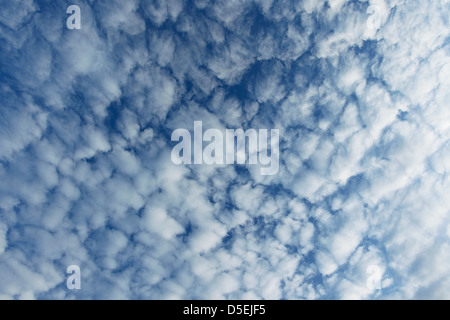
[3,242]
[15,14]
[159,222]
[86,176]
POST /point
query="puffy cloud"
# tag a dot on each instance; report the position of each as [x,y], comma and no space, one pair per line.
[86,178]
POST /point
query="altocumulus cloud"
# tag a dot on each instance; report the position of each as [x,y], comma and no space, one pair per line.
[86,177]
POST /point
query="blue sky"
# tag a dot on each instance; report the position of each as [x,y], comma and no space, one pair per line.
[86,178]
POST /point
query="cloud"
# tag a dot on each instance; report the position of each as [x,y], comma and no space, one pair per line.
[3,243]
[86,178]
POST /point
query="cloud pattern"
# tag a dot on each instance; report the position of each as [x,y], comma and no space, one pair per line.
[86,177]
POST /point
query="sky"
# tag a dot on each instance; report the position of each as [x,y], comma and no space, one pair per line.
[360,94]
